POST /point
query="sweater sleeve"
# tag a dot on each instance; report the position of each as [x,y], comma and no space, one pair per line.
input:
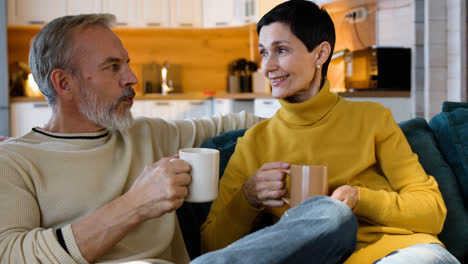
[231,216]
[22,239]
[415,203]
[194,132]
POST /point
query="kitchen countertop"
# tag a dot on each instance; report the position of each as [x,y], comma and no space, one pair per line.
[201,96]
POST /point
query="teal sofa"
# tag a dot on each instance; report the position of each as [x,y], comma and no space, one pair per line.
[442,147]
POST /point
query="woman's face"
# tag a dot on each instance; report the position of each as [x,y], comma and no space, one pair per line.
[287,63]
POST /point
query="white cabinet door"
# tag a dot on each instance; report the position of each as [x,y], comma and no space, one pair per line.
[84,7]
[162,109]
[25,116]
[24,12]
[124,10]
[196,109]
[140,108]
[266,107]
[154,13]
[218,13]
[224,106]
[246,11]
[186,13]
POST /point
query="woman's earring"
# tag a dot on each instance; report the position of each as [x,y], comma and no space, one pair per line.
[318,66]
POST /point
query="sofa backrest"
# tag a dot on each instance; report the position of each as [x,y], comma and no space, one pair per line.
[423,142]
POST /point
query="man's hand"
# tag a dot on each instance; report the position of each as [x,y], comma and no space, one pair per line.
[347,194]
[161,187]
[267,186]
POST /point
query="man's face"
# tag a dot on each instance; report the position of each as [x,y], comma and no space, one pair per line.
[103,78]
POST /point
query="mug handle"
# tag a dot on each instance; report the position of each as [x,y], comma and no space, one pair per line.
[286,200]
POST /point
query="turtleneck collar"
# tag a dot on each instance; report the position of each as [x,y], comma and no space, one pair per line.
[310,111]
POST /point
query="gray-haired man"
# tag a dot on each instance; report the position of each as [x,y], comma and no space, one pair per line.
[92,184]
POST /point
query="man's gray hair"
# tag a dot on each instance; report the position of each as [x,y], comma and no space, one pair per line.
[52,48]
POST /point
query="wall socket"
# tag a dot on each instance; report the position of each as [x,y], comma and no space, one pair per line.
[356,15]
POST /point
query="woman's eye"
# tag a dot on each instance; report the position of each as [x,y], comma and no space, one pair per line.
[263,53]
[282,50]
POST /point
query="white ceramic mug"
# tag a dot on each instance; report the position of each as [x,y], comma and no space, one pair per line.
[204,163]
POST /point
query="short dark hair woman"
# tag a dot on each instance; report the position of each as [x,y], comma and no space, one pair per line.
[371,167]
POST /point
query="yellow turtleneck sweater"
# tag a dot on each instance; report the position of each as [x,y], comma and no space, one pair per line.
[399,204]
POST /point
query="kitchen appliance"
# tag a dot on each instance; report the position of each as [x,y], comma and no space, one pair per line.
[240,76]
[378,68]
[162,79]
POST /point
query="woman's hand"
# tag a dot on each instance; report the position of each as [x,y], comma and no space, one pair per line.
[347,194]
[267,186]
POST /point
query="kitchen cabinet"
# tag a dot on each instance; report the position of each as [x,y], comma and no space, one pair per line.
[31,12]
[140,108]
[26,115]
[222,106]
[247,11]
[84,7]
[266,107]
[234,12]
[124,11]
[196,109]
[218,13]
[186,13]
[178,109]
[153,13]
[164,109]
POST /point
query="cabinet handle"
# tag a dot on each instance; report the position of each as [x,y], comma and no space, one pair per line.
[162,104]
[121,23]
[36,22]
[40,105]
[267,102]
[155,24]
[186,24]
[221,23]
[196,103]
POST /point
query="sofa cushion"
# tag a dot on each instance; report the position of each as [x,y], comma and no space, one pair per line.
[422,141]
[450,127]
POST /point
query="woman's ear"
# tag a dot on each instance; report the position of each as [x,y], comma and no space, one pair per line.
[61,81]
[323,52]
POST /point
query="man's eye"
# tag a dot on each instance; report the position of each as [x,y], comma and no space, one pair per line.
[115,67]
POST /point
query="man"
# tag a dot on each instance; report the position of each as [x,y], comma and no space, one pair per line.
[92,185]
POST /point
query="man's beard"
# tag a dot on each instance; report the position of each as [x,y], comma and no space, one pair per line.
[104,113]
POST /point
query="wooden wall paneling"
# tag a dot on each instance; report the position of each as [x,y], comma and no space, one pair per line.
[204,54]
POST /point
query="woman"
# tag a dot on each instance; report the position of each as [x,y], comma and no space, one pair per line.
[371,167]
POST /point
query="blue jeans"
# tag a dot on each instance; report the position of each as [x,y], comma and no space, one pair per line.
[420,254]
[319,230]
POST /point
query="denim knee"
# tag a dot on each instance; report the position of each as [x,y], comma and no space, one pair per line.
[336,217]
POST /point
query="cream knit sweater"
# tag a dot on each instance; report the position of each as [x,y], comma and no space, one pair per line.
[49,181]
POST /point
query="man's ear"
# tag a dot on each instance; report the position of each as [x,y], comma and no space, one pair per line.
[62,83]
[323,52]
